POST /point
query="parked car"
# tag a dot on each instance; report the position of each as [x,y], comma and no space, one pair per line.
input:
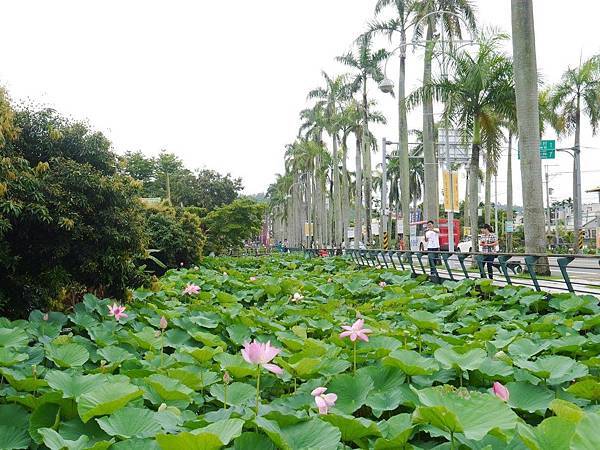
[465,245]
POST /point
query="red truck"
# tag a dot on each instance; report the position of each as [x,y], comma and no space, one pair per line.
[442,225]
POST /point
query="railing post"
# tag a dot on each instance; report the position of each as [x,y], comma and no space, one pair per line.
[445,257]
[503,260]
[419,257]
[461,260]
[562,264]
[479,260]
[530,261]
[391,255]
[408,255]
[400,255]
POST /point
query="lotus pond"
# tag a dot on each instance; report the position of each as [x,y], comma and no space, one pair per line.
[419,366]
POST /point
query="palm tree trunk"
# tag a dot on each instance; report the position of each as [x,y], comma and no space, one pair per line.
[403,143]
[474,185]
[488,193]
[358,197]
[346,191]
[526,88]
[577,223]
[430,189]
[336,204]
[467,218]
[367,159]
[509,192]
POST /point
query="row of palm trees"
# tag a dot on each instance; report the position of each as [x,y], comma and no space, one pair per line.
[477,89]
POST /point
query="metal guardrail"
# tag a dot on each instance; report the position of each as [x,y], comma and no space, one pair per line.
[570,273]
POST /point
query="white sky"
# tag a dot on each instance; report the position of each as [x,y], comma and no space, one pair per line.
[220,83]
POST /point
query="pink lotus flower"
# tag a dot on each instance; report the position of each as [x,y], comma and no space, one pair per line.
[116,311]
[191,289]
[500,391]
[252,278]
[45,316]
[382,284]
[163,323]
[324,401]
[356,331]
[261,354]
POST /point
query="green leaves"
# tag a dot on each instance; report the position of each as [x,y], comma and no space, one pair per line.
[130,386]
[67,355]
[106,399]
[352,391]
[130,423]
[411,363]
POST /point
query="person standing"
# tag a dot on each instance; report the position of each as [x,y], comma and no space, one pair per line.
[488,243]
[432,241]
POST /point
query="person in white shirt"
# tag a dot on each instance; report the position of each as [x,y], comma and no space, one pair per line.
[432,240]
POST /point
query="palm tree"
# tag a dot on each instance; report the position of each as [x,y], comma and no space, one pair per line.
[577,92]
[526,86]
[331,98]
[452,15]
[399,24]
[366,64]
[477,93]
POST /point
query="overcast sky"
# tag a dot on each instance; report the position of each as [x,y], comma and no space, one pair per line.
[220,83]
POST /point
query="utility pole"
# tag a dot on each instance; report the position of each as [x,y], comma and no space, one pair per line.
[496,204]
[547,199]
[383,223]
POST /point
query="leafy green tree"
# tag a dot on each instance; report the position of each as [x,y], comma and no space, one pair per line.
[68,222]
[45,134]
[367,65]
[230,225]
[475,96]
[176,234]
[577,93]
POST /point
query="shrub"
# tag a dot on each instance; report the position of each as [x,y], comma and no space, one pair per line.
[66,228]
[176,234]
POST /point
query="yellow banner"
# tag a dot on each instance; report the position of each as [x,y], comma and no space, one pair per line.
[451,179]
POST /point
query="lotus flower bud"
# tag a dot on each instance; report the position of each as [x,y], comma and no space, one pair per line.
[226,378]
[163,323]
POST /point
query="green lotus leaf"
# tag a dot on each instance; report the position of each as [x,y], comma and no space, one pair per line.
[352,428]
[130,422]
[312,434]
[396,432]
[238,394]
[13,337]
[73,385]
[587,388]
[586,435]
[451,359]
[189,441]
[387,393]
[55,441]
[67,355]
[253,441]
[352,391]
[474,413]
[14,423]
[528,397]
[411,362]
[106,399]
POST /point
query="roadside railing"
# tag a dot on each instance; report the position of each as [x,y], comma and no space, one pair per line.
[570,273]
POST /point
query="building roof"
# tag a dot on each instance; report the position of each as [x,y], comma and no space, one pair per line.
[596,189]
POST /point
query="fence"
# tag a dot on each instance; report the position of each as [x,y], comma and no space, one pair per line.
[569,273]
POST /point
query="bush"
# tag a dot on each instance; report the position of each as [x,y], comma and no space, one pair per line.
[176,234]
[66,229]
[229,226]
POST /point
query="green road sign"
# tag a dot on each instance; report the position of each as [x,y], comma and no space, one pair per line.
[547,149]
